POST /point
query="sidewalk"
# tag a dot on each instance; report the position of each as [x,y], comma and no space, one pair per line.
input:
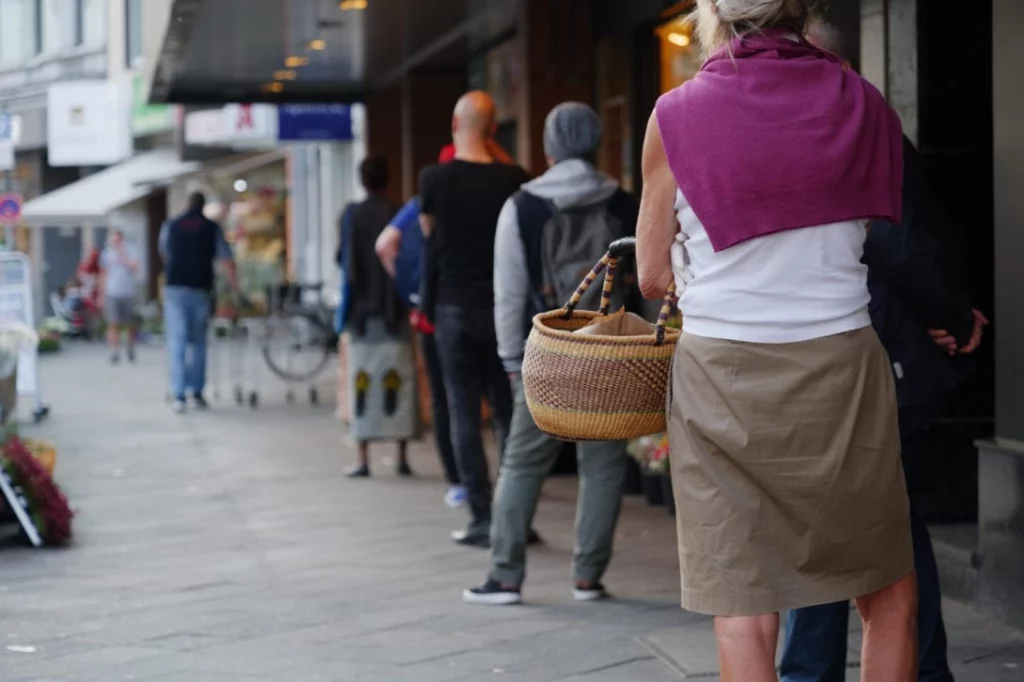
[229,546]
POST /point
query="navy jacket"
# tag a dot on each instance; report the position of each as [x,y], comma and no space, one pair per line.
[915,286]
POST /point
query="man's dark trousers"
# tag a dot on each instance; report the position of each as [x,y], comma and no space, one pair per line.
[815,647]
[468,347]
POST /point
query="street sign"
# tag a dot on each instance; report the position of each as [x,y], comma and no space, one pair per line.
[10,208]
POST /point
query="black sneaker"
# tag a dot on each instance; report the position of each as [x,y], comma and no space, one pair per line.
[200,402]
[589,592]
[469,538]
[533,538]
[493,593]
[404,470]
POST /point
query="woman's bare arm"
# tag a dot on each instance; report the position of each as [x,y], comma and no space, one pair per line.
[656,227]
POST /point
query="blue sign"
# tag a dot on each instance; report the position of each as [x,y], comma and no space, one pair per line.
[6,126]
[314,122]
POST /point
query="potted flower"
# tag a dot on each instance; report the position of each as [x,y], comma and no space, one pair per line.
[651,452]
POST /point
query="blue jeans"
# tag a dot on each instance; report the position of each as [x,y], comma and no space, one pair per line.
[815,647]
[186,319]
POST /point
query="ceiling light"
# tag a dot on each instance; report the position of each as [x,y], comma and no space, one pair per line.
[679,39]
[317,45]
[296,62]
[273,87]
[241,185]
[285,75]
[347,5]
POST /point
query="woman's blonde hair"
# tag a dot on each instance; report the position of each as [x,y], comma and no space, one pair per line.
[719,21]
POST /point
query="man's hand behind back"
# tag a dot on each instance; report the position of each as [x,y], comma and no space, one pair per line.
[947,342]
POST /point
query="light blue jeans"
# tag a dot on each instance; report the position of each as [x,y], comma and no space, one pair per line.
[186,319]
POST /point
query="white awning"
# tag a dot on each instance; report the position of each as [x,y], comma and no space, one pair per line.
[94,197]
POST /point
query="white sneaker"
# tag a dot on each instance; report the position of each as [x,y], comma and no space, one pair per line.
[455,497]
[179,407]
[595,592]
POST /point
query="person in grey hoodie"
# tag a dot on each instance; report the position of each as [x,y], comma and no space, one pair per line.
[572,136]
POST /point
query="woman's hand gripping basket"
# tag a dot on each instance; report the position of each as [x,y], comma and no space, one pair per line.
[595,387]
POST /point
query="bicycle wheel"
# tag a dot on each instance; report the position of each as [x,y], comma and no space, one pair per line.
[296,345]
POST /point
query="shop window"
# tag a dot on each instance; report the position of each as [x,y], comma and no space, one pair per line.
[90,22]
[20,36]
[55,24]
[679,54]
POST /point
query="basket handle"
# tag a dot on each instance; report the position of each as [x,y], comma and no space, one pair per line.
[608,264]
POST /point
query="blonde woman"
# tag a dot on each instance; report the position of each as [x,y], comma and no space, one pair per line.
[760,177]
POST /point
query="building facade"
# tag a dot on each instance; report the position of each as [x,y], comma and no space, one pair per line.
[951,70]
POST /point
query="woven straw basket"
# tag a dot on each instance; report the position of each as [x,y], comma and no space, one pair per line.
[587,388]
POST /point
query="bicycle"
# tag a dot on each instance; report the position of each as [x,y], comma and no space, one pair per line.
[298,338]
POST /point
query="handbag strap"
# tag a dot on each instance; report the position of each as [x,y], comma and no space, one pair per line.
[608,265]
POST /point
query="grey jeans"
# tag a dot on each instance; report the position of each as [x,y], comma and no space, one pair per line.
[529,456]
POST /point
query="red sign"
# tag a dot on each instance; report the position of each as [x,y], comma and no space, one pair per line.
[10,208]
[244,118]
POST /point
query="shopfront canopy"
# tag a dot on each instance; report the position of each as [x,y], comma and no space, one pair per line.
[217,51]
[94,197]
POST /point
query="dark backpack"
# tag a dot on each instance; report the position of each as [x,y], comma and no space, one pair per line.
[562,246]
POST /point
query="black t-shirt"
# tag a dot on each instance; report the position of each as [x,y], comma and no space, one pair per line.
[464,200]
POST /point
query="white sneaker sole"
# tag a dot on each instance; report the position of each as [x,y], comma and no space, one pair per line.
[495,599]
[589,595]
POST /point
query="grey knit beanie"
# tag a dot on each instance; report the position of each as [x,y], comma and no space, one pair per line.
[572,131]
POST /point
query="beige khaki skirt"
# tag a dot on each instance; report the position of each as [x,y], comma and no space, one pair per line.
[786,470]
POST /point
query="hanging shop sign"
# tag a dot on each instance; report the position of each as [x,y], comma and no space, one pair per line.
[149,119]
[314,123]
[88,123]
[233,125]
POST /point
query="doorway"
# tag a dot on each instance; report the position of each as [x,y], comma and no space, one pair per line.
[156,216]
[62,253]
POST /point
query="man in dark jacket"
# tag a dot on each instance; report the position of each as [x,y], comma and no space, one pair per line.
[914,288]
[190,245]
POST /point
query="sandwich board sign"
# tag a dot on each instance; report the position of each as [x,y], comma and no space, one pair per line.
[16,309]
[17,503]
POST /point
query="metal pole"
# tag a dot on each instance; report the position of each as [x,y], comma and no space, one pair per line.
[9,179]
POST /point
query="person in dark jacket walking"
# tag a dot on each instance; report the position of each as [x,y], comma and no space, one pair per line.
[190,245]
[928,327]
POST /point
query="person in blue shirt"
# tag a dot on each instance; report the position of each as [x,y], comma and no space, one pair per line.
[190,245]
[399,248]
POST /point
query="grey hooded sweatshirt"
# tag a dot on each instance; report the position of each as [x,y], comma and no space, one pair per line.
[569,184]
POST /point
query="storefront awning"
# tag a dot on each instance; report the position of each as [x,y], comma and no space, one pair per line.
[94,197]
[218,51]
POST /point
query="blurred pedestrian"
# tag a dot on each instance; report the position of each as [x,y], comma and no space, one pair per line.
[119,286]
[382,362]
[760,176]
[190,244]
[400,249]
[460,203]
[912,289]
[566,219]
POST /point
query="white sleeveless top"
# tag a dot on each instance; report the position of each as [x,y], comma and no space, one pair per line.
[785,287]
